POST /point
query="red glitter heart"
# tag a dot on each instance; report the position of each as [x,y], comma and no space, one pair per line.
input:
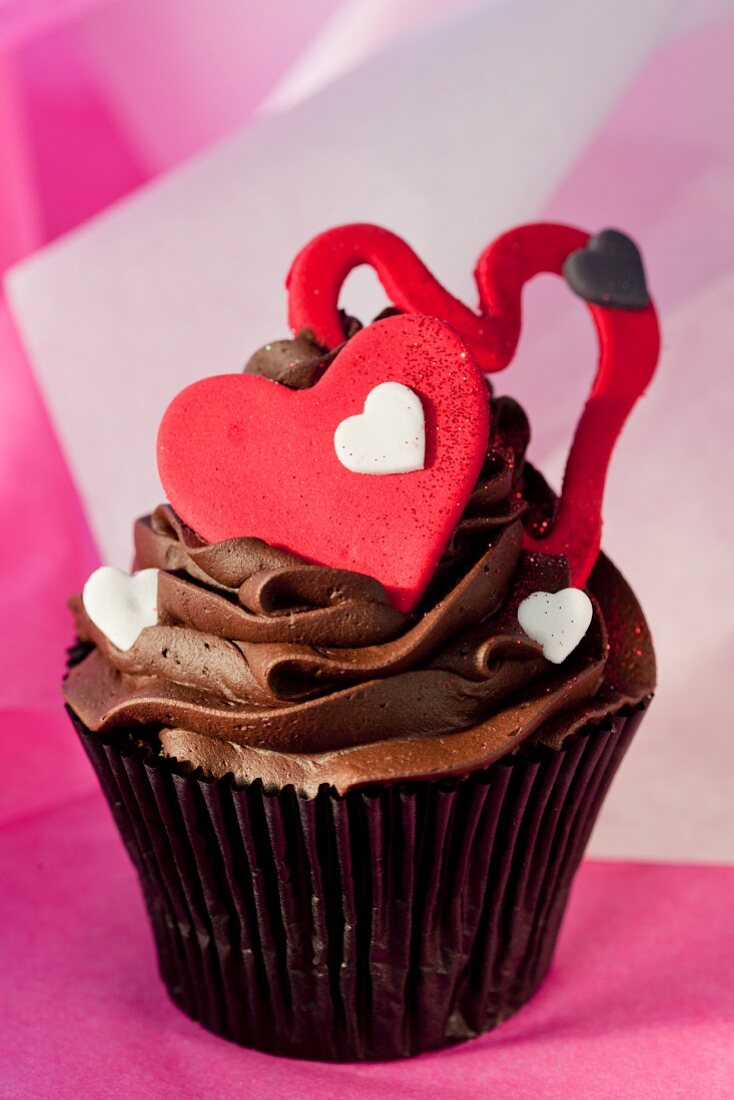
[240,455]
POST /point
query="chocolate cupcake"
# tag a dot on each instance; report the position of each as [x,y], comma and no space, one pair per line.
[355,721]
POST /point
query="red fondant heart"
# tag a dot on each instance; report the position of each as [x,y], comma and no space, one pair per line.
[240,455]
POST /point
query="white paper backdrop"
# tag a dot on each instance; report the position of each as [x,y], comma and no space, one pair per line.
[448,136]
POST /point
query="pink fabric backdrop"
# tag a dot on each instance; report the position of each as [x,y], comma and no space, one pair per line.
[640,1002]
[638,1006]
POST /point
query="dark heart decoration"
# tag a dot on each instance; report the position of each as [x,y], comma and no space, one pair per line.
[608,272]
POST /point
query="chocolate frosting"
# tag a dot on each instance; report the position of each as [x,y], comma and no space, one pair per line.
[268,667]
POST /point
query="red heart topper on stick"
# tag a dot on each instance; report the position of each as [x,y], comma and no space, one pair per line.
[350,473]
[606,270]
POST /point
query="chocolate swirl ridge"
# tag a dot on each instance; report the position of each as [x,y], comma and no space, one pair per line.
[195,669]
[275,668]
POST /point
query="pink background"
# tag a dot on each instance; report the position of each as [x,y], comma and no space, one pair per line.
[640,1000]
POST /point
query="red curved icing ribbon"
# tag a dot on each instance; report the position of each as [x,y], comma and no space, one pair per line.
[319,270]
[628,342]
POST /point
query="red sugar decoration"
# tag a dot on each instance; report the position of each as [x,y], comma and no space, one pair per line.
[240,455]
[628,342]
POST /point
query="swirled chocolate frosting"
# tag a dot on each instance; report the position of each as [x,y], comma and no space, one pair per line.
[267,667]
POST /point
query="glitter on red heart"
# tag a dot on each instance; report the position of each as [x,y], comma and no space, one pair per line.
[240,455]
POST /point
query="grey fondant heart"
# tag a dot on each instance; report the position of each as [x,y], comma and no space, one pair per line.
[608,272]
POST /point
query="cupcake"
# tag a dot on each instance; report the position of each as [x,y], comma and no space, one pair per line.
[358,704]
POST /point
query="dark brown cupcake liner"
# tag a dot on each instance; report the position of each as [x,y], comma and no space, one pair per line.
[371,926]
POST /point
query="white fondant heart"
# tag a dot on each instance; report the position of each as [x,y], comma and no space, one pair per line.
[556,620]
[121,605]
[389,437]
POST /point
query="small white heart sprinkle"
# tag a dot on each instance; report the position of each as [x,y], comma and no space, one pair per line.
[389,437]
[556,620]
[121,605]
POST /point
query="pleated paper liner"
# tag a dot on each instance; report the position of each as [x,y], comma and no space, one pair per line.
[370,926]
